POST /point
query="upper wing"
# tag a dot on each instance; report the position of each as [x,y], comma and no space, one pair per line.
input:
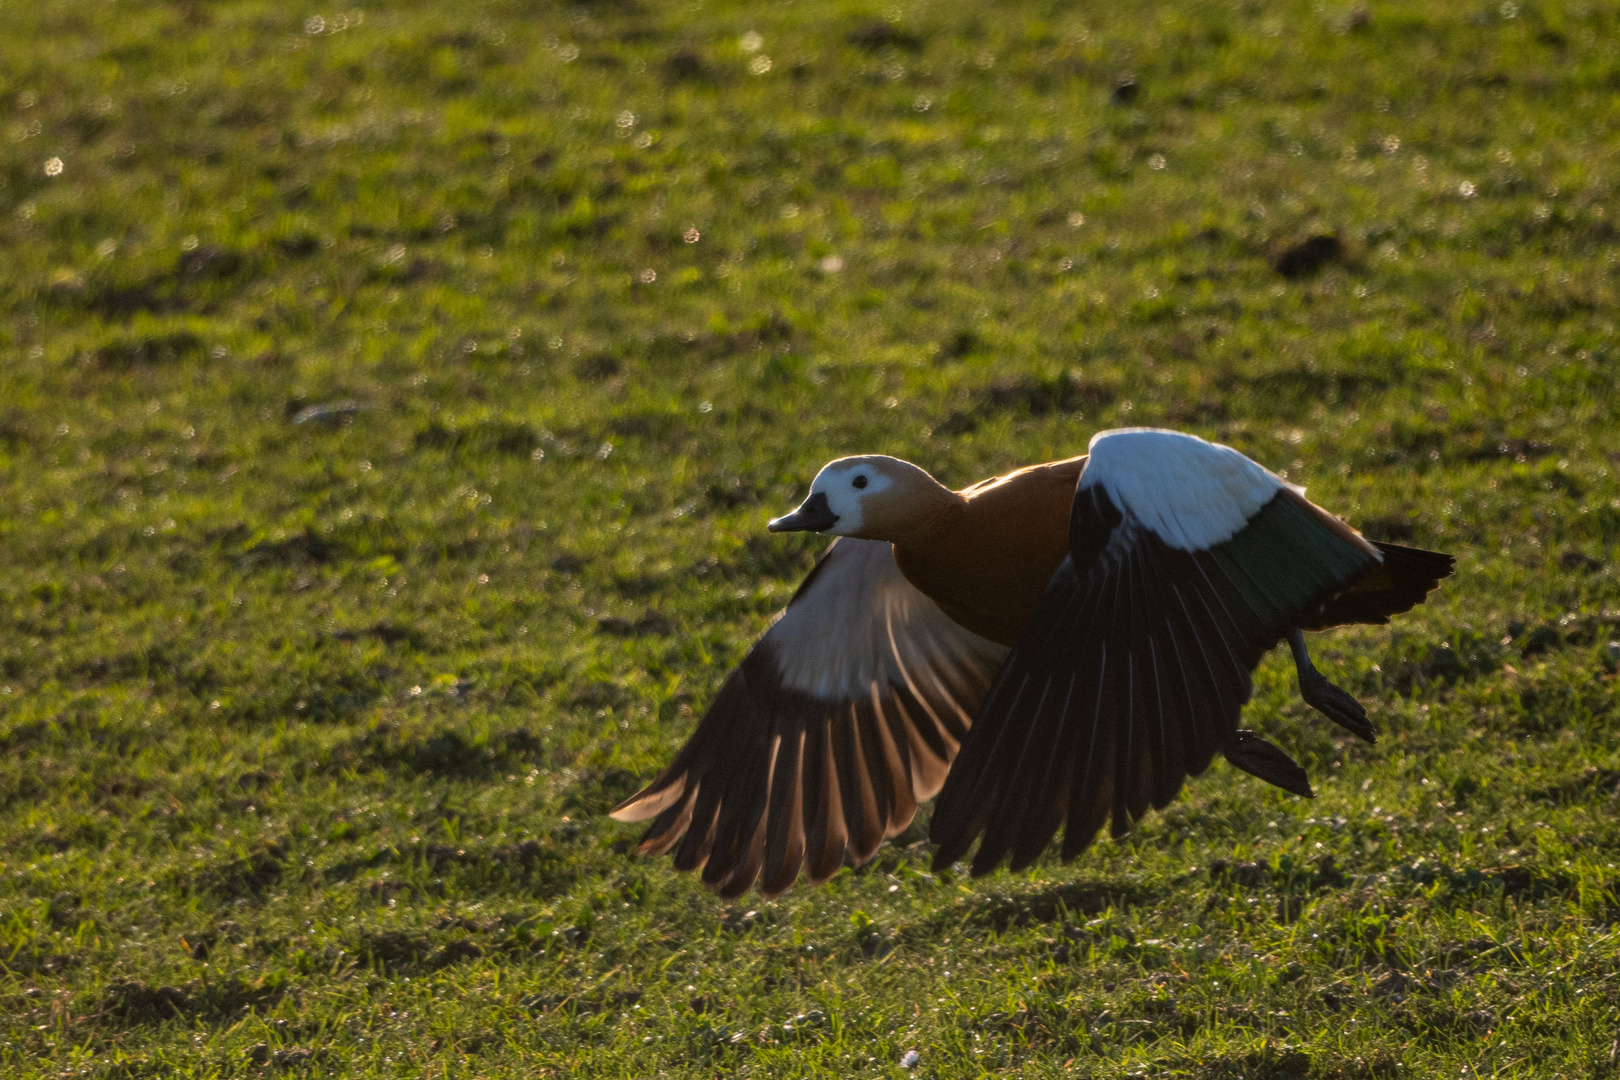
[1187,563]
[842,717]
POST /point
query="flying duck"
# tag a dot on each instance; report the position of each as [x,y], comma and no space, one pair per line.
[1058,647]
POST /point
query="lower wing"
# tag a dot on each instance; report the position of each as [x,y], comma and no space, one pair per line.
[820,744]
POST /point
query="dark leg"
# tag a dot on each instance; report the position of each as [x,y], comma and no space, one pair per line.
[1326,698]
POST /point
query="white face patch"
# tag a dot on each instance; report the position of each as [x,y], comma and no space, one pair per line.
[846,484]
[1193,494]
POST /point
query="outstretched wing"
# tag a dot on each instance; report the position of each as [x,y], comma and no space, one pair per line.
[842,717]
[1187,563]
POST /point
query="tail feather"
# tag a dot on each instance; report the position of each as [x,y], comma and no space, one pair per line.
[1400,583]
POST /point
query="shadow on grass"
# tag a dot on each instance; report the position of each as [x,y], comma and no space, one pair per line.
[136,1002]
[447,754]
[1045,903]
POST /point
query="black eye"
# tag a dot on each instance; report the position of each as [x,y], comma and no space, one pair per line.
[859,481]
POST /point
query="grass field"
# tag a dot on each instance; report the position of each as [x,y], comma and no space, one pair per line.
[392,398]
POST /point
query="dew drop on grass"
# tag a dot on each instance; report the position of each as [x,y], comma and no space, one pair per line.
[691,235]
[314,25]
[53,166]
[750,42]
[759,65]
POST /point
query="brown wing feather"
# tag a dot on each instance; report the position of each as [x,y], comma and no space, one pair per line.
[821,743]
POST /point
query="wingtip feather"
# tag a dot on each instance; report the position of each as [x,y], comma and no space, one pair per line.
[650,801]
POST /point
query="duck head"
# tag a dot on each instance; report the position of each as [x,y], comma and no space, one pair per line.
[873,497]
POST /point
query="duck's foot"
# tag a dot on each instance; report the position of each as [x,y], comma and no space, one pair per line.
[1335,704]
[1257,757]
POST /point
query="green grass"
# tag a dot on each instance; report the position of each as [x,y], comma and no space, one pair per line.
[309,728]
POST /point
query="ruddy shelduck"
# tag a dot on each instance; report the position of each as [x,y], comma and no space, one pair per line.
[1058,647]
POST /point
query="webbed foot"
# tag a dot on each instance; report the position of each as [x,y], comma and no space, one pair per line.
[1335,704]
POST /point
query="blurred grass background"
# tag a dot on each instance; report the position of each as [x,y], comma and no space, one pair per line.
[392,398]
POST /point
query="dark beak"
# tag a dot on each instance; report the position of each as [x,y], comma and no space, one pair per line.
[813,516]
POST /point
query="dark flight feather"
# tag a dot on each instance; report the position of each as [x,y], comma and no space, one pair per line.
[1163,642]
